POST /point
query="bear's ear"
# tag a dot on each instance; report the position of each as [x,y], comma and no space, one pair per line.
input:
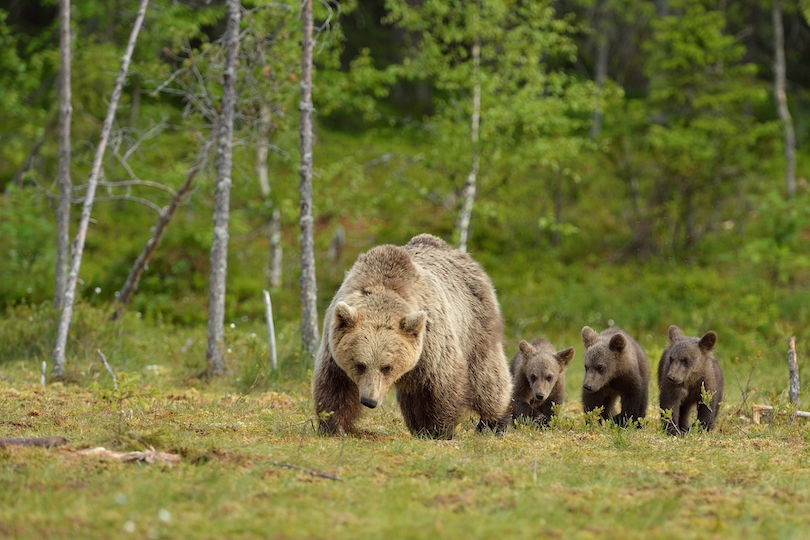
[565,356]
[526,348]
[675,334]
[345,317]
[617,343]
[708,341]
[413,323]
[589,336]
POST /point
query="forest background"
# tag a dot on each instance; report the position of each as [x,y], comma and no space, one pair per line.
[630,163]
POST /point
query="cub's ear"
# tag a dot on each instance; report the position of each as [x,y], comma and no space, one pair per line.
[345,317]
[675,334]
[526,348]
[589,336]
[414,323]
[617,343]
[565,356]
[708,341]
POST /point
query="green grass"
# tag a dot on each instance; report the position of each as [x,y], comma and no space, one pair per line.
[247,463]
[250,460]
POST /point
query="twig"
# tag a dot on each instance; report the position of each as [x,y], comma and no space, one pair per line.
[307,471]
[44,442]
[793,369]
[109,369]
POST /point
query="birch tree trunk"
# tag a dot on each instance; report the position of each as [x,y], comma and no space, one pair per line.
[602,57]
[309,293]
[274,264]
[219,244]
[81,234]
[470,184]
[261,149]
[65,185]
[781,98]
[139,266]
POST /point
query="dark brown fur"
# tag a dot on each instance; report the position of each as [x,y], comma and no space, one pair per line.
[538,379]
[615,368]
[688,366]
[422,318]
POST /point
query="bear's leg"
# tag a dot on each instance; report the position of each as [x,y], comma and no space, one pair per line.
[634,406]
[594,400]
[336,397]
[426,416]
[707,416]
[522,410]
[684,424]
[491,388]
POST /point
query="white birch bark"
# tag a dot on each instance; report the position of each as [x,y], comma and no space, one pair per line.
[274,265]
[470,184]
[81,234]
[219,244]
[65,185]
[309,307]
[261,149]
[780,92]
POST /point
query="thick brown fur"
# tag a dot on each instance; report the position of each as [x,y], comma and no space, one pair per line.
[615,368]
[423,318]
[538,380]
[687,367]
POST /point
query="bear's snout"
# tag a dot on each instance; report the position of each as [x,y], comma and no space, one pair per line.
[671,379]
[539,396]
[587,387]
[370,403]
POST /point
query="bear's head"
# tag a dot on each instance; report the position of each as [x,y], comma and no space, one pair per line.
[376,342]
[602,358]
[685,356]
[543,369]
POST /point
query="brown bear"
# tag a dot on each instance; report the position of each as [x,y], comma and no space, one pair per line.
[688,369]
[423,318]
[538,379]
[615,368]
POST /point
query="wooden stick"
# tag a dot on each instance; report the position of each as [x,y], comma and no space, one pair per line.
[793,367]
[271,331]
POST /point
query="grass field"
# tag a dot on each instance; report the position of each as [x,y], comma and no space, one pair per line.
[252,466]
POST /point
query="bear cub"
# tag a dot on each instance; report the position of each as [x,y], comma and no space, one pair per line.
[538,378]
[615,368]
[689,368]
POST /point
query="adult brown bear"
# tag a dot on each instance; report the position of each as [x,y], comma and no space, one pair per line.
[423,318]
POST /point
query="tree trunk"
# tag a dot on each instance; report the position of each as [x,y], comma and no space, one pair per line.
[219,244]
[139,266]
[65,185]
[309,293]
[81,234]
[261,149]
[274,264]
[781,98]
[470,184]
[602,57]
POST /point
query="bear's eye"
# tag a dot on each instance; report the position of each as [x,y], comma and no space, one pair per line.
[361,368]
[385,370]
[600,369]
[549,378]
[685,361]
[533,378]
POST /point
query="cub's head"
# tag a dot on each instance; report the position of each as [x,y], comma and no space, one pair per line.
[543,368]
[602,357]
[685,356]
[375,346]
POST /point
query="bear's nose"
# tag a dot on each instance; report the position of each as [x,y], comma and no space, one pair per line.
[587,387]
[370,403]
[670,378]
[539,396]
